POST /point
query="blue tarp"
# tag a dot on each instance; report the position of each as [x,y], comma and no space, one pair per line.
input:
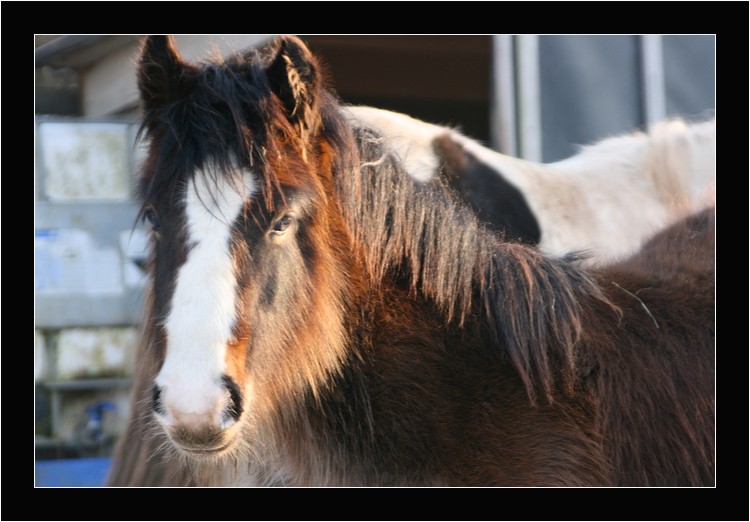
[72,472]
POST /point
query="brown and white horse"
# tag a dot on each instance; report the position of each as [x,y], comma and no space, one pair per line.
[606,200]
[316,317]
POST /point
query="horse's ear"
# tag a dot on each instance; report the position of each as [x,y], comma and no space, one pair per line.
[162,75]
[294,76]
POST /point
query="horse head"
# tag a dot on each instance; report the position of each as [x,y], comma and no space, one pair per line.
[236,189]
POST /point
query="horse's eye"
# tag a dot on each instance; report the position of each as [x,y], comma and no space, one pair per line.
[152,218]
[282,225]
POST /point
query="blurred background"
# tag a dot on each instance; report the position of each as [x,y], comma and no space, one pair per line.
[537,97]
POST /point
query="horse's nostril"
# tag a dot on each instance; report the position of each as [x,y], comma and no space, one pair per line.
[218,413]
[156,403]
[233,409]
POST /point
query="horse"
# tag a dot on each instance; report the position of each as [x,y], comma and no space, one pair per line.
[607,200]
[316,318]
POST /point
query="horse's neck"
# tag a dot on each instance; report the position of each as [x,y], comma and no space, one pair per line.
[681,161]
[398,356]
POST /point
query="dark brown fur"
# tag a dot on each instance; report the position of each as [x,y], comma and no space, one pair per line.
[415,347]
[656,365]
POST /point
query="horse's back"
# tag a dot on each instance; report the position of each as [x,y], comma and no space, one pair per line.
[685,247]
[657,380]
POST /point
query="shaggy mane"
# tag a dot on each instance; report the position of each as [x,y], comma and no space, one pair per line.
[530,304]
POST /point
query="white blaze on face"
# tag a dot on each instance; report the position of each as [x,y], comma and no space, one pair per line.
[202,312]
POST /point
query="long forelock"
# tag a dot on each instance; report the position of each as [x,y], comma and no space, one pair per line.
[229,119]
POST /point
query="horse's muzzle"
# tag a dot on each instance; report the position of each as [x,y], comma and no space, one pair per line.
[200,432]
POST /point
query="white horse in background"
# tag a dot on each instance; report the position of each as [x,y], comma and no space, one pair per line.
[606,200]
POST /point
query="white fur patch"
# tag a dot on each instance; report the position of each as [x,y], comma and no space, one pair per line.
[408,138]
[202,313]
